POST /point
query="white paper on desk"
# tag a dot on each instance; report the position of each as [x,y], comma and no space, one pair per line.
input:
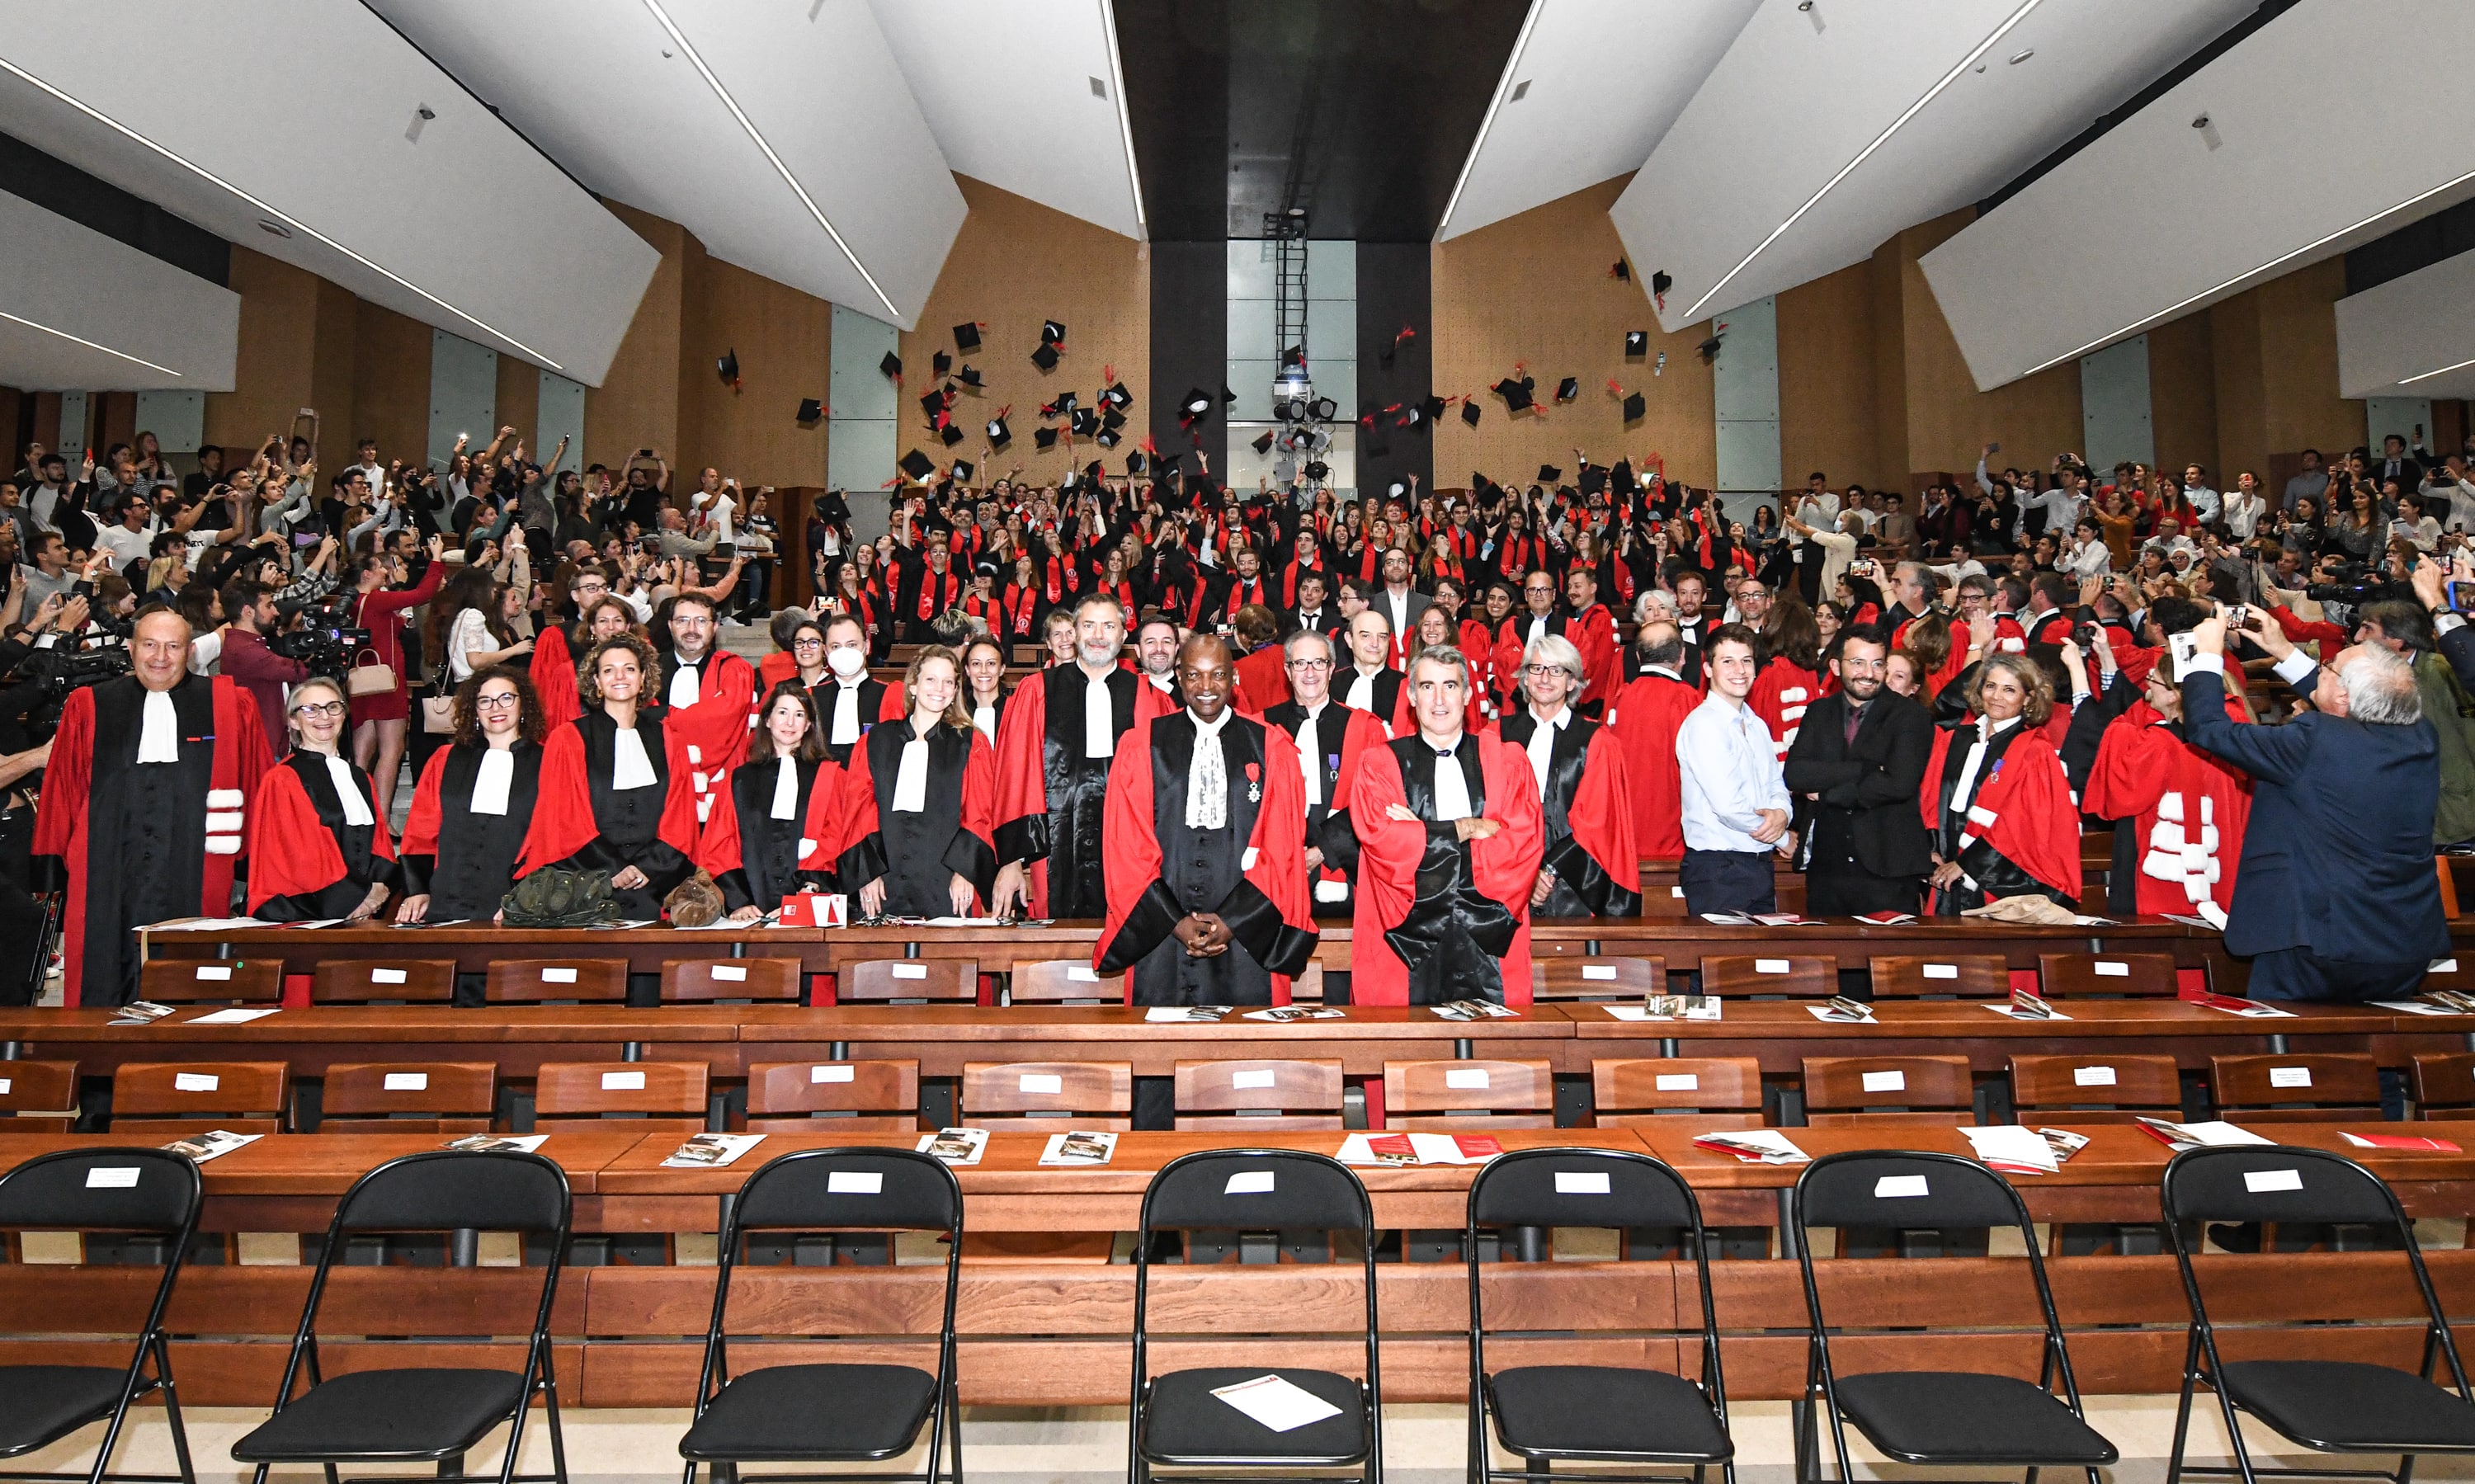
[1185,1014]
[2415,1007]
[1761,1146]
[719,923]
[1288,1013]
[2209,1133]
[1686,1006]
[2250,1009]
[2011,1147]
[235,1016]
[1082,1147]
[205,925]
[1430,1147]
[212,1144]
[955,1146]
[2191,922]
[2007,1011]
[711,1150]
[1826,1012]
[497,1143]
[312,923]
[1278,1404]
[1729,920]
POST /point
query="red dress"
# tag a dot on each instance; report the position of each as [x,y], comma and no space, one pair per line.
[382,613]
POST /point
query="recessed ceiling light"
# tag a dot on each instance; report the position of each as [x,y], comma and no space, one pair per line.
[273,227]
[2022,55]
[1520,92]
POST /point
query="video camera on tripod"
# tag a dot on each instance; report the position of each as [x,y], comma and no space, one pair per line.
[326,648]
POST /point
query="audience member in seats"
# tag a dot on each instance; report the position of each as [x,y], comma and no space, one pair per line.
[557,646]
[1735,806]
[317,847]
[1262,674]
[1648,715]
[1436,630]
[2179,813]
[1314,604]
[771,826]
[1592,629]
[1396,600]
[246,659]
[1330,739]
[1057,635]
[915,834]
[1156,641]
[470,809]
[1449,847]
[1370,684]
[2343,793]
[1859,761]
[853,700]
[1995,797]
[1060,733]
[781,665]
[1208,898]
[149,784]
[615,794]
[1590,868]
[1539,615]
[984,693]
[380,601]
[1788,677]
[711,695]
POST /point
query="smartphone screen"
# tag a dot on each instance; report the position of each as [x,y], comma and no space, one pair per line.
[2462,597]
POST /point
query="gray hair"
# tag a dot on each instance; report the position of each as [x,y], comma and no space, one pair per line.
[1656,603]
[1556,650]
[2380,688]
[1289,645]
[1445,655]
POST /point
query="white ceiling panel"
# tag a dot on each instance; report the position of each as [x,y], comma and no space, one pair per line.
[82,312]
[329,154]
[1605,80]
[2160,218]
[611,92]
[1008,90]
[1823,132]
[2412,336]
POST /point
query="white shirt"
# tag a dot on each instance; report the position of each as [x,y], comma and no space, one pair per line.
[1452,784]
[1099,719]
[206,653]
[911,778]
[1207,774]
[1542,744]
[469,634]
[125,544]
[985,717]
[723,508]
[2204,500]
[1397,606]
[490,783]
[1730,770]
[1966,793]
[2243,513]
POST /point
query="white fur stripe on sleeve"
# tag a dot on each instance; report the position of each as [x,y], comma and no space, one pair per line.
[223,844]
[223,822]
[223,798]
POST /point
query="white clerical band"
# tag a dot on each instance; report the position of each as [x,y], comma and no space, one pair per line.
[1099,721]
[911,778]
[786,790]
[631,767]
[347,789]
[159,729]
[491,783]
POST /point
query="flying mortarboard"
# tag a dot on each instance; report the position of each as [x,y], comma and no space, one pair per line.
[1432,406]
[1548,474]
[1317,468]
[970,377]
[939,363]
[1515,394]
[1118,396]
[1635,406]
[966,337]
[729,366]
[1110,438]
[1045,357]
[1708,349]
[811,410]
[1264,443]
[1636,342]
[1195,404]
[1134,462]
[998,432]
[1568,388]
[1622,270]
[932,406]
[892,365]
[1083,421]
[962,469]
[952,435]
[918,465]
[1112,419]
[1294,356]
[1052,332]
[1470,413]
[1043,438]
[1228,397]
[1659,283]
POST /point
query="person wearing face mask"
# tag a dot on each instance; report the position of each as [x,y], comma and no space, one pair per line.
[469,808]
[615,794]
[767,836]
[1996,798]
[317,848]
[916,824]
[849,700]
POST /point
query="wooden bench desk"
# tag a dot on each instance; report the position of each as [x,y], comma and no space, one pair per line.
[518,1037]
[473,945]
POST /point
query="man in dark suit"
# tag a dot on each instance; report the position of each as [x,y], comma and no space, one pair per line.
[1860,758]
[2336,898]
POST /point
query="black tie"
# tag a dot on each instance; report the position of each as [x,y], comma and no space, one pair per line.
[1856,719]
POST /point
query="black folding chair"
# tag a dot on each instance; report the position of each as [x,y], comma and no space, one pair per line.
[1622,1415]
[1177,1422]
[832,1413]
[429,1413]
[114,1190]
[2331,1406]
[1937,1417]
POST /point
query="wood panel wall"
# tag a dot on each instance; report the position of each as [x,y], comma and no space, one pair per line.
[1830,410]
[785,344]
[390,386]
[1014,264]
[2182,396]
[273,367]
[637,404]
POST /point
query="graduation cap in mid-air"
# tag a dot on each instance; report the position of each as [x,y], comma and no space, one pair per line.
[939,363]
[811,411]
[1084,421]
[966,337]
[969,375]
[1315,469]
[1110,438]
[1635,406]
[932,406]
[1052,332]
[952,435]
[1548,474]
[1228,397]
[962,469]
[1134,462]
[1636,342]
[1470,413]
[1263,442]
[999,434]
[918,465]
[1194,405]
[1568,388]
[1432,408]
[892,365]
[1708,349]
[1622,270]
[1516,394]
[1045,357]
[1659,283]
[1112,419]
[1043,438]
[1294,356]
[729,366]
[1118,396]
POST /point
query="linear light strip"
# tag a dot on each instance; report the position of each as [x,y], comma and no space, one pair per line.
[1494,106]
[204,173]
[2170,310]
[137,360]
[1125,120]
[1879,139]
[2443,370]
[688,50]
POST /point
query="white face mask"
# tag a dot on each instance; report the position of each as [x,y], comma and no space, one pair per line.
[848,662]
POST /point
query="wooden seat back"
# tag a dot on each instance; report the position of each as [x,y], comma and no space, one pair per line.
[409,1097]
[1795,976]
[1720,1092]
[657,1096]
[170,1100]
[1469,1094]
[2444,1083]
[384,982]
[1065,981]
[2142,976]
[2297,1087]
[1627,978]
[833,1097]
[1087,1094]
[1869,1089]
[717,980]
[926,980]
[212,981]
[1964,976]
[37,1097]
[2101,1087]
[556,980]
[1241,1096]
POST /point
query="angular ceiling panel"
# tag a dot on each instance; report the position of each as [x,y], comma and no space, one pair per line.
[2412,336]
[81,312]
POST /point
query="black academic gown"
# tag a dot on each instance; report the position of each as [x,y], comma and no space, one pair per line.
[768,848]
[1583,886]
[919,852]
[1328,829]
[1455,937]
[363,866]
[1199,868]
[871,703]
[630,820]
[1078,792]
[1382,692]
[473,864]
[146,832]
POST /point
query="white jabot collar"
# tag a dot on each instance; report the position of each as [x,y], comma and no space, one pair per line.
[159,729]
[786,790]
[491,783]
[348,790]
[631,767]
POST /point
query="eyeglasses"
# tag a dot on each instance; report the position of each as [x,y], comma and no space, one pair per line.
[807,643]
[1310,663]
[496,702]
[320,708]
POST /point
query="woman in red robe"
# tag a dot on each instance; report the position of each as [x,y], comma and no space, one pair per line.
[1995,797]
[474,800]
[915,824]
[1590,868]
[766,839]
[615,793]
[318,847]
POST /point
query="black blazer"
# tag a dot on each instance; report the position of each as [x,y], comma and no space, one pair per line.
[1875,783]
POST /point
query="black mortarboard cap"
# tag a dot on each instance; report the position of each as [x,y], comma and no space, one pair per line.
[932,403]
[1118,396]
[1470,413]
[1228,397]
[1294,356]
[1708,349]
[1165,466]
[962,469]
[1112,419]
[1195,404]
[892,365]
[939,363]
[1622,270]
[1084,421]
[1634,406]
[1660,282]
[1568,388]
[998,432]
[729,366]
[1045,357]
[1051,332]
[1043,438]
[1432,408]
[970,376]
[1515,394]
[1094,471]
[918,465]
[952,435]
[1636,342]
[1110,438]
[1264,443]
[1548,474]
[1134,462]
[966,337]
[1065,401]
[810,411]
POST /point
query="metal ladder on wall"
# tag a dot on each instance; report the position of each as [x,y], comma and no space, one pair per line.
[1289,238]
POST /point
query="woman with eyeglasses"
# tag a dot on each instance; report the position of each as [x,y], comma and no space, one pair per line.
[472,803]
[318,848]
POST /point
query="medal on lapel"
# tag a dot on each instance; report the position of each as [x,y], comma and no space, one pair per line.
[1253,784]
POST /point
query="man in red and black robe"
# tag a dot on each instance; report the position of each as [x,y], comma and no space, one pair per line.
[143,804]
[1206,845]
[711,695]
[1330,740]
[1590,868]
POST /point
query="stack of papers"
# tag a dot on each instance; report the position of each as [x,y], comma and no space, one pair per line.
[2435,1005]
[1278,1404]
[2017,1151]
[1186,1015]
[1402,1149]
[2215,1133]
[711,1150]
[1668,1007]
[497,1143]
[1288,1013]
[1755,1146]
[208,925]
[1841,1010]
[138,1012]
[1081,1147]
[2025,1006]
[1887,919]
[211,1145]
[955,1146]
[1475,1009]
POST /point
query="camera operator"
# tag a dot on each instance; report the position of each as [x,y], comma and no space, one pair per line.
[249,613]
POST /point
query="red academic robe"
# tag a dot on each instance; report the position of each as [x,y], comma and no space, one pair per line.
[291,850]
[64,822]
[1269,913]
[1594,634]
[1780,696]
[2191,810]
[2025,811]
[1649,714]
[1504,866]
[714,730]
[1263,680]
[772,670]
[553,676]
[855,843]
[1597,863]
[1022,783]
[722,848]
[563,821]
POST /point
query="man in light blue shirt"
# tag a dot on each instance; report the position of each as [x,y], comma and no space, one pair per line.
[1736,802]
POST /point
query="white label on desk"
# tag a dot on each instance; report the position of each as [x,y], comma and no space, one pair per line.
[1249,1182]
[1886,1081]
[1078,974]
[1892,1188]
[1466,1077]
[407,1082]
[214,971]
[2107,968]
[1939,970]
[623,1081]
[559,976]
[113,1178]
[2258,1181]
[195,1081]
[734,973]
[1677,892]
[1251,1079]
[854,1183]
[1771,967]
[1043,1081]
[2290,1077]
[1680,1082]
[1581,1183]
[911,971]
[1598,971]
[386,976]
[2442,966]
[4,1087]
[2093,1076]
[831,1074]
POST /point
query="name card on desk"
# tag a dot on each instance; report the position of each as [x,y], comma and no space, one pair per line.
[407,1082]
[911,971]
[214,971]
[386,976]
[2093,1076]
[1939,970]
[1772,966]
[734,973]
[559,976]
[1679,1081]
[1251,1079]
[1469,1076]
[815,910]
[1598,971]
[195,1081]
[2290,1077]
[830,1074]
[1043,1081]
[1886,1081]
[623,1081]
[2107,968]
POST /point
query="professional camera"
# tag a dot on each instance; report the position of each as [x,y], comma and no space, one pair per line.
[327,648]
[56,673]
